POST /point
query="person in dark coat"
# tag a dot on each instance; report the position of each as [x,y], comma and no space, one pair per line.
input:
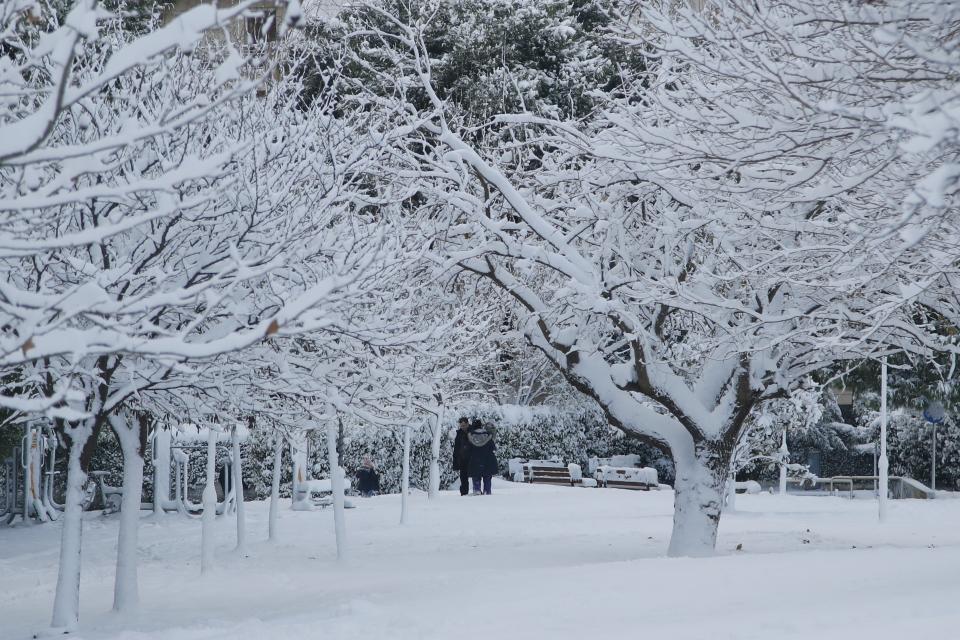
[461,455]
[483,460]
[368,481]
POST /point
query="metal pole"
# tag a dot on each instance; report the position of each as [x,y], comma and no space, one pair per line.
[784,456]
[405,480]
[933,460]
[884,462]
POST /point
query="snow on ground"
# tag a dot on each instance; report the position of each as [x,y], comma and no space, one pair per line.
[529,561]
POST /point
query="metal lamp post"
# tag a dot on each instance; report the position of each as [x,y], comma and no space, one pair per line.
[934,414]
[784,458]
[884,464]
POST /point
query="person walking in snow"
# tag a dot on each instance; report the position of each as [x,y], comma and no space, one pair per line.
[368,481]
[461,455]
[483,460]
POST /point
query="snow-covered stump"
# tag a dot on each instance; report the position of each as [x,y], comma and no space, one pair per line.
[336,484]
[66,603]
[405,479]
[237,470]
[275,490]
[125,587]
[698,503]
[209,505]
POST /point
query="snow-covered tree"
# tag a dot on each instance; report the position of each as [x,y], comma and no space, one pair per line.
[648,275]
[163,216]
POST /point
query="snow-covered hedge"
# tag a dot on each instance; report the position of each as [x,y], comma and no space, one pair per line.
[573,436]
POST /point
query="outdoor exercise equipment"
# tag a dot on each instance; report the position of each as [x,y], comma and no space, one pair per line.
[176,446]
[29,475]
[308,493]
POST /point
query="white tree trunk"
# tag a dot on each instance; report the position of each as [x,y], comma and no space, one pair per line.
[405,480]
[433,489]
[298,454]
[698,503]
[66,603]
[336,482]
[730,503]
[237,468]
[161,469]
[125,587]
[275,489]
[209,506]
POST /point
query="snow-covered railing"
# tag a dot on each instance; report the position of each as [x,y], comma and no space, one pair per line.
[901,487]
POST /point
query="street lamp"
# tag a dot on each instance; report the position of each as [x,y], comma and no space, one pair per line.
[884,463]
[784,458]
[934,414]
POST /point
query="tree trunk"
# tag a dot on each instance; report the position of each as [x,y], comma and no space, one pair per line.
[336,483]
[730,501]
[698,501]
[275,489]
[405,480]
[161,470]
[300,501]
[433,489]
[209,505]
[66,604]
[125,588]
[238,493]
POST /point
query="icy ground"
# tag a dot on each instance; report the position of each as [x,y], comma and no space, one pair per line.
[530,562]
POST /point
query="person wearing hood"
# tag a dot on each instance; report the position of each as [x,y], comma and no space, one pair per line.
[483,459]
[461,455]
[368,481]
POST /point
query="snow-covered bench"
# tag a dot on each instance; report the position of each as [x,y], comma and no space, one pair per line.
[517,468]
[626,461]
[642,479]
[320,491]
[546,472]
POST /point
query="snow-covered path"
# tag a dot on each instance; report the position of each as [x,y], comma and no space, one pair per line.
[530,561]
